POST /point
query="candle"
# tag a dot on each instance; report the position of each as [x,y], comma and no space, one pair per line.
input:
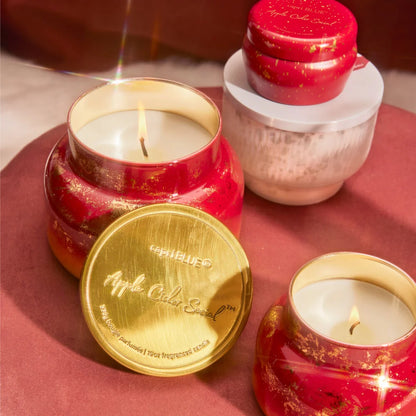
[167,136]
[342,342]
[300,155]
[298,52]
[115,158]
[327,306]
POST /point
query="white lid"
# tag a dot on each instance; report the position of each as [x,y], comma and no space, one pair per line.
[359,100]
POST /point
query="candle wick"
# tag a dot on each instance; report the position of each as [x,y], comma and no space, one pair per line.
[356,323]
[144,150]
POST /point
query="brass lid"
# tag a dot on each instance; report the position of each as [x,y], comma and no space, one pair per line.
[166,290]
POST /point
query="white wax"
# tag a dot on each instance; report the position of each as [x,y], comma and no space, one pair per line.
[169,136]
[326,306]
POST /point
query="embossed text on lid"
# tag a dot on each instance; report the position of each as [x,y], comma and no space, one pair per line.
[166,290]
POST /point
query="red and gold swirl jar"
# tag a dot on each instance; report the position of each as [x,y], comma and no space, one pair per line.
[297,52]
[315,358]
[92,179]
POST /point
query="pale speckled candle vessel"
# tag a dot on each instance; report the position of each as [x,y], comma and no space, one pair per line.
[299,155]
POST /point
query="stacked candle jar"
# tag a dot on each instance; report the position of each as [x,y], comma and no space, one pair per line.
[300,104]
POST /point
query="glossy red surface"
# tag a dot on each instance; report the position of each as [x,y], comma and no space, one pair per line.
[298,372]
[299,53]
[296,83]
[86,192]
[295,30]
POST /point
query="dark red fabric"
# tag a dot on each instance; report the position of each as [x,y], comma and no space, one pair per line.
[78,35]
[50,363]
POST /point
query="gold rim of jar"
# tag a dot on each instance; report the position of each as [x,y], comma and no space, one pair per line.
[361,267]
[154,94]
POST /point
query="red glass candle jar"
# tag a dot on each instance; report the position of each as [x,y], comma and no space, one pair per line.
[308,362]
[89,183]
[299,52]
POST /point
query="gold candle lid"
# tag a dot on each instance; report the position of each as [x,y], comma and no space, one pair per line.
[166,290]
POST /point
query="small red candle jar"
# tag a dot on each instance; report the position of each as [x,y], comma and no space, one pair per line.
[88,188]
[301,370]
[299,52]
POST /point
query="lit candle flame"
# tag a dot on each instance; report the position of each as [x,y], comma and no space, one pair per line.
[142,128]
[354,319]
